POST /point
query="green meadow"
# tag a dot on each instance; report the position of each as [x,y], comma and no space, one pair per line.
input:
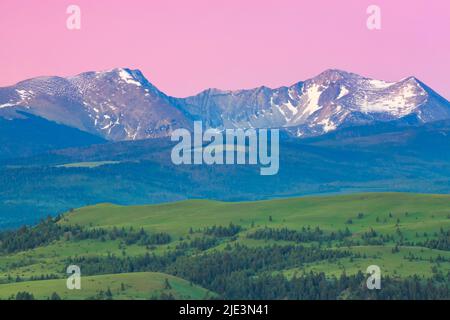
[139,285]
[416,213]
[403,226]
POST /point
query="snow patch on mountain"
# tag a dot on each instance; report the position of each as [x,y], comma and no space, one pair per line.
[379,84]
[312,95]
[327,124]
[293,109]
[128,78]
[6,105]
[342,93]
[399,102]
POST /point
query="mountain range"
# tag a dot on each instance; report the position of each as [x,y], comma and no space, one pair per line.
[121,104]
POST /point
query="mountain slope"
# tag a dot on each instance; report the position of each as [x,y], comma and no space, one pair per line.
[118,105]
[27,135]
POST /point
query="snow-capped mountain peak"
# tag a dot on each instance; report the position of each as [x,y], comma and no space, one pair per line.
[320,104]
[118,104]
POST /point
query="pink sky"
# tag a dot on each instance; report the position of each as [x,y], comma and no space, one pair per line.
[185,46]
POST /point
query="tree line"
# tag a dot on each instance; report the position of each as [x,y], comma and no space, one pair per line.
[50,230]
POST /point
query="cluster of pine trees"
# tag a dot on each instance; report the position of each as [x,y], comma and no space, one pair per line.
[223,232]
[199,243]
[306,234]
[442,242]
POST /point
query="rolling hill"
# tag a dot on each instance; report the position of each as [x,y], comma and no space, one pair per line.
[139,285]
[206,242]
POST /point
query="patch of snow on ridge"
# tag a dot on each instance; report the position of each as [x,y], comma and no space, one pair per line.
[291,94]
[313,93]
[25,94]
[380,84]
[107,126]
[286,117]
[398,103]
[279,108]
[128,78]
[410,91]
[344,91]
[5,105]
[327,124]
[293,109]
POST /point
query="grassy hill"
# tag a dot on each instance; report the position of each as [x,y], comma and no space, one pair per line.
[139,285]
[404,234]
[424,213]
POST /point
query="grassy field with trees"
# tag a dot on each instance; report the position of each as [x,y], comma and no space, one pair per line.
[296,248]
